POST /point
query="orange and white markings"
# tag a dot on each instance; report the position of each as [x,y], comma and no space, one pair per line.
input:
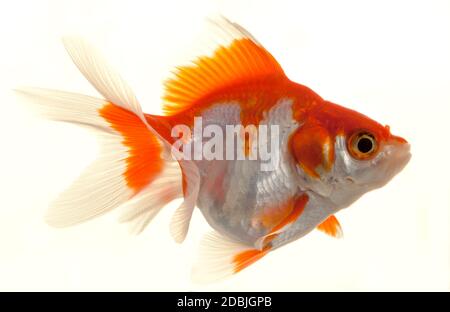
[331,227]
[144,161]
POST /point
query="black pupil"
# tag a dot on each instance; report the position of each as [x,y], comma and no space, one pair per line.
[365,145]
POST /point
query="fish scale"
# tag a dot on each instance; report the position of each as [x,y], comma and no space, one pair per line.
[329,155]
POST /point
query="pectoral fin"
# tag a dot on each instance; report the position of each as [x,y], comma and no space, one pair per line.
[284,224]
[331,227]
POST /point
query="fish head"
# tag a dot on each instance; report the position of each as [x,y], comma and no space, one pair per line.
[364,162]
[353,154]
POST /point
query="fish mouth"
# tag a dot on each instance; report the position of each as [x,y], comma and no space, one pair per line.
[405,156]
[404,151]
[401,155]
[400,149]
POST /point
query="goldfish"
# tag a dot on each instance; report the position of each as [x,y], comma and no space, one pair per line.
[323,157]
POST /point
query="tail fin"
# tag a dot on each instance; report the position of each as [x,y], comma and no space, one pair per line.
[132,153]
[129,160]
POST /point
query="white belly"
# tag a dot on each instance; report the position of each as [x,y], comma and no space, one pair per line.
[235,192]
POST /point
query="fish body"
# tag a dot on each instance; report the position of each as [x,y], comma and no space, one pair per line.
[294,159]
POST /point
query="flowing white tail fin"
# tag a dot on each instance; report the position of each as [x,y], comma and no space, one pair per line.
[132,155]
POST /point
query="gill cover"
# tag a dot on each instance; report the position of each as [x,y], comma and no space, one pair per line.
[313,148]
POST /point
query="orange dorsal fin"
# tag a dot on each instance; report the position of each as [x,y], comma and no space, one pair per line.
[242,60]
[331,227]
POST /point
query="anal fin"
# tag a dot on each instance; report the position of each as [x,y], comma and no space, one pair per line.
[221,257]
[248,257]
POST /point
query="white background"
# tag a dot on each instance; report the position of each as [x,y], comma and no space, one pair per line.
[387,59]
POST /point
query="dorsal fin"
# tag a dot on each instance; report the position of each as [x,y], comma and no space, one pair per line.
[242,59]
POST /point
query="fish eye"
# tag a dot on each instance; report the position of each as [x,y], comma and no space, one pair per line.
[362,145]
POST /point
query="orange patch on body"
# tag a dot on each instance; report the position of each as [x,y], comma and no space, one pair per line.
[338,120]
[308,146]
[249,136]
[143,163]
